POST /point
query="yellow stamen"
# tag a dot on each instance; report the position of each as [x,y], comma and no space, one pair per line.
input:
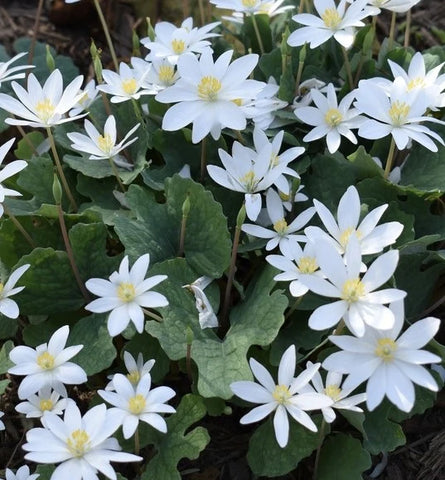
[134,376]
[333,391]
[237,101]
[353,289]
[331,18]
[249,3]
[137,404]
[178,46]
[249,181]
[126,292]
[280,226]
[208,88]
[166,74]
[46,404]
[45,109]
[398,112]
[346,235]
[46,361]
[386,348]
[78,443]
[129,86]
[281,394]
[417,82]
[333,117]
[105,143]
[307,265]
[274,160]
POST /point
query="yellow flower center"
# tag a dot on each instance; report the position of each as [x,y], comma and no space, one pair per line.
[46,361]
[178,46]
[398,112]
[417,82]
[237,101]
[105,143]
[126,292]
[331,18]
[46,404]
[333,117]
[208,88]
[333,391]
[45,109]
[129,86]
[280,227]
[281,394]
[249,181]
[137,404]
[134,376]
[274,160]
[307,265]
[385,349]
[346,235]
[166,74]
[353,289]
[78,443]
[249,3]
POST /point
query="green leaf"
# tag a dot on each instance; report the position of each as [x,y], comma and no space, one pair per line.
[98,351]
[5,363]
[45,471]
[364,165]
[3,385]
[24,149]
[267,458]
[176,444]
[8,327]
[342,458]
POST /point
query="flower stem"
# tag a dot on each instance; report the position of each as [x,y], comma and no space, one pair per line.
[19,227]
[60,170]
[116,174]
[392,31]
[185,215]
[137,444]
[152,315]
[320,443]
[203,159]
[201,12]
[70,254]
[257,33]
[293,308]
[390,158]
[407,28]
[348,68]
[301,6]
[107,34]
[34,34]
[26,138]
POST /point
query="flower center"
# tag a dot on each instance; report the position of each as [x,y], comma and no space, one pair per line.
[333,391]
[238,102]
[129,86]
[208,88]
[331,18]
[274,160]
[134,376]
[284,196]
[333,117]
[417,82]
[137,404]
[46,404]
[45,109]
[249,3]
[307,264]
[78,443]
[249,181]
[398,112]
[346,235]
[281,394]
[166,74]
[178,46]
[353,289]
[45,361]
[385,349]
[105,143]
[280,227]
[126,292]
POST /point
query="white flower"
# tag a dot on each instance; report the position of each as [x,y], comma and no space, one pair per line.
[136,369]
[2,425]
[103,146]
[7,74]
[162,74]
[340,396]
[390,364]
[42,106]
[206,316]
[373,238]
[398,114]
[249,172]
[303,96]
[8,307]
[283,397]
[129,83]
[125,293]
[243,6]
[333,21]
[82,445]
[47,365]
[295,262]
[22,473]
[398,6]
[90,93]
[265,7]
[210,94]
[358,303]
[282,232]
[172,42]
[330,119]
[138,404]
[45,401]
[8,171]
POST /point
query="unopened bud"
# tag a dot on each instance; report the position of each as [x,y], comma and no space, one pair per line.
[57,190]
[50,59]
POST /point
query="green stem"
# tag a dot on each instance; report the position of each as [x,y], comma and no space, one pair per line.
[201,12]
[392,31]
[137,444]
[390,158]
[407,28]
[320,443]
[293,308]
[299,73]
[19,227]
[203,159]
[348,68]
[70,254]
[301,6]
[26,138]
[257,33]
[107,34]
[152,315]
[60,170]
[34,34]
[116,174]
